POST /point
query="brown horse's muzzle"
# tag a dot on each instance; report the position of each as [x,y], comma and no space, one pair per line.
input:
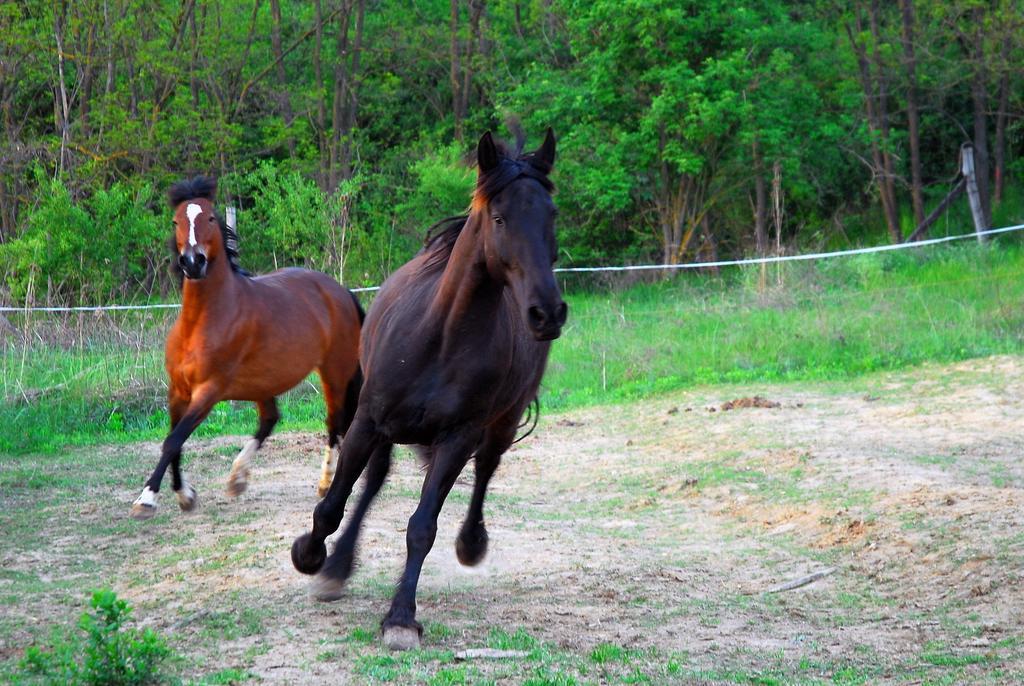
[546,322]
[193,264]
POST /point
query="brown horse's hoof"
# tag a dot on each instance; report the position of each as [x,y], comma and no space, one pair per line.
[326,590]
[187,498]
[142,511]
[237,483]
[401,638]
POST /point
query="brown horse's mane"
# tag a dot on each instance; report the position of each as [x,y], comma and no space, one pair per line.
[206,188]
[512,165]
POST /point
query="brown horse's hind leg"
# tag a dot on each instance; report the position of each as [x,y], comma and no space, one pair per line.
[338,567]
[341,394]
[401,630]
[238,480]
[144,507]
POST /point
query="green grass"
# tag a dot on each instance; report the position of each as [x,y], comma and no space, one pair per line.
[830,320]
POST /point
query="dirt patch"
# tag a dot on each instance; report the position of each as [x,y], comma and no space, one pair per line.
[755,401]
[645,528]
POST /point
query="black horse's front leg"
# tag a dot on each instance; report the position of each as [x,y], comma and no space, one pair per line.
[401,630]
[338,567]
[308,550]
[145,505]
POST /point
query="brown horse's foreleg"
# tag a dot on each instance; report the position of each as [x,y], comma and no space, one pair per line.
[239,477]
[144,507]
[401,630]
[308,550]
[338,567]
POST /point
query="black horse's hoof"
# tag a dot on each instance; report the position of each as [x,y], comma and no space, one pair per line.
[471,546]
[327,589]
[403,637]
[305,560]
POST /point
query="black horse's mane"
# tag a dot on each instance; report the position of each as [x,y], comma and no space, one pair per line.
[512,165]
[204,187]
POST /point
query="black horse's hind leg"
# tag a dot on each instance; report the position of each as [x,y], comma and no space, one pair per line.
[202,402]
[401,630]
[338,567]
[238,480]
[308,550]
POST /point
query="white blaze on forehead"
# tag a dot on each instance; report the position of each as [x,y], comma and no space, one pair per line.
[193,210]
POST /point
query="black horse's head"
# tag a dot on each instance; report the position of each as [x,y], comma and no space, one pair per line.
[517,219]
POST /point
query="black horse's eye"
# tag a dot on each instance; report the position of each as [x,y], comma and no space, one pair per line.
[499,220]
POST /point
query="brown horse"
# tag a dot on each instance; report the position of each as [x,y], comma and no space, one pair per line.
[244,338]
[453,352]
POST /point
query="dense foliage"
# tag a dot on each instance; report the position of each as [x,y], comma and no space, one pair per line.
[342,128]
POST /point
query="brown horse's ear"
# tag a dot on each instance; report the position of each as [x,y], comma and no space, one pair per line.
[487,157]
[544,158]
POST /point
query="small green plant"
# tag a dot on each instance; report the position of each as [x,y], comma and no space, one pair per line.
[111,654]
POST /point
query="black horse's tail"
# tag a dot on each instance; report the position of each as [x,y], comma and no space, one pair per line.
[355,384]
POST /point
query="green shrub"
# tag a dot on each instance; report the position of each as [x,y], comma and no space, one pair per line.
[90,250]
[110,655]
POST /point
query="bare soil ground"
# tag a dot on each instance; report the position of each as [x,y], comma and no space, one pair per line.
[633,543]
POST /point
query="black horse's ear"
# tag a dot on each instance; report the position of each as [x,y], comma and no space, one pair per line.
[544,157]
[487,153]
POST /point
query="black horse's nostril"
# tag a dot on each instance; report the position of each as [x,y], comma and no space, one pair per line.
[537,317]
[561,313]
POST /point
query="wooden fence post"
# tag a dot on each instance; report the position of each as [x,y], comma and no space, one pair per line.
[973,196]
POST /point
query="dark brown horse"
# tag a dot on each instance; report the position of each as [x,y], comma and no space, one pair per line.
[453,352]
[245,338]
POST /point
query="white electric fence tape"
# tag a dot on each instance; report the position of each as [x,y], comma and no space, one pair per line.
[626,268]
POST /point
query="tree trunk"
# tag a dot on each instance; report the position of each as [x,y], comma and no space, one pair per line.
[476,10]
[352,101]
[345,96]
[777,205]
[454,70]
[913,125]
[193,80]
[979,98]
[760,205]
[63,106]
[284,100]
[321,104]
[1001,117]
[341,76]
[882,112]
[874,129]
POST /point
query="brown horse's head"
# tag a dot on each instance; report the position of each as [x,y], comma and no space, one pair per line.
[517,219]
[200,237]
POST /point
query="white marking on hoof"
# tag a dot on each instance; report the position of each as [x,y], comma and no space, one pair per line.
[193,210]
[187,497]
[401,638]
[326,589]
[238,480]
[331,457]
